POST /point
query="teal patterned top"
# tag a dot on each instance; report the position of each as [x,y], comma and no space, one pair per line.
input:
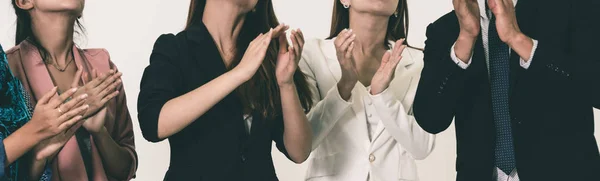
[15,111]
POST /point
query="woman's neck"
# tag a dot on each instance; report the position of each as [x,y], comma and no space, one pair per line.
[224,22]
[371,32]
[54,32]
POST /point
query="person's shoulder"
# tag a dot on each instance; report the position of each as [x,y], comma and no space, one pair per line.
[416,56]
[98,57]
[446,23]
[447,18]
[318,49]
[13,50]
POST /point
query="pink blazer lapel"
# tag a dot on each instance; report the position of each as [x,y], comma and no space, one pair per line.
[35,71]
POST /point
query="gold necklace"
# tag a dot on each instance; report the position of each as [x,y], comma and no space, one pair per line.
[55,64]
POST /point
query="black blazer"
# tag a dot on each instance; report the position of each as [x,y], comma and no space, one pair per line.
[216,146]
[551,103]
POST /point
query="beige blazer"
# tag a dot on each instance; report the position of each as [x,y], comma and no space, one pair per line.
[342,149]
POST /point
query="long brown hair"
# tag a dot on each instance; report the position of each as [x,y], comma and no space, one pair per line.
[25,31]
[397,26]
[261,92]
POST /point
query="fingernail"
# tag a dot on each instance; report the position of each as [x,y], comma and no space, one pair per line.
[83,96]
[350,30]
[86,106]
[73,89]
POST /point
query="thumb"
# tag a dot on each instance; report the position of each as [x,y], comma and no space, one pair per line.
[77,77]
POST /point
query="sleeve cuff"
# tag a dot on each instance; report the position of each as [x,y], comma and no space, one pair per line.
[338,96]
[526,64]
[459,62]
[386,97]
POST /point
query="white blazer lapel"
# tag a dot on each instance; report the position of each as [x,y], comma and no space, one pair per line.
[332,62]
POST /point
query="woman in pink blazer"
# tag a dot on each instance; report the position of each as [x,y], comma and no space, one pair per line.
[45,57]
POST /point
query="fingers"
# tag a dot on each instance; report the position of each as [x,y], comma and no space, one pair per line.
[110,80]
[298,44]
[72,114]
[300,36]
[292,57]
[110,89]
[266,41]
[109,97]
[348,53]
[69,123]
[72,103]
[77,77]
[351,36]
[48,96]
[280,30]
[341,38]
[496,6]
[100,77]
[386,58]
[398,48]
[54,103]
[253,42]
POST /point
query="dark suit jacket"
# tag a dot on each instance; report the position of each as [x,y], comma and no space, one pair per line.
[551,103]
[216,146]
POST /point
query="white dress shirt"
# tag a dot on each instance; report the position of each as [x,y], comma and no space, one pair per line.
[485,20]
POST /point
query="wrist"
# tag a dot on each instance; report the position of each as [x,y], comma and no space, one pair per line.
[345,89]
[240,75]
[517,39]
[36,132]
[96,133]
[467,37]
[287,86]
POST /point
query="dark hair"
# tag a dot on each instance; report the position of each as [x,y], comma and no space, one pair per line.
[397,26]
[25,32]
[261,92]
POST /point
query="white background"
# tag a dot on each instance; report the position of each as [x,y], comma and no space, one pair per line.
[129,28]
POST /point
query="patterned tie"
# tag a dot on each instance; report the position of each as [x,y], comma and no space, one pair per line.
[500,79]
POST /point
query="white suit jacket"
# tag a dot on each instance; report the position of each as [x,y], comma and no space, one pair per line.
[342,150]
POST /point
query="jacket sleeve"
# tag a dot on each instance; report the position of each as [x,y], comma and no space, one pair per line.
[570,61]
[123,129]
[160,83]
[442,81]
[399,121]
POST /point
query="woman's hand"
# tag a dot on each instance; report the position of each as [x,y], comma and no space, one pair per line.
[52,117]
[344,45]
[384,75]
[95,123]
[256,51]
[51,146]
[100,88]
[288,58]
[467,12]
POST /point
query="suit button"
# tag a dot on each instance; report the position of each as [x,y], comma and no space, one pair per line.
[243,158]
[371,158]
[370,115]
